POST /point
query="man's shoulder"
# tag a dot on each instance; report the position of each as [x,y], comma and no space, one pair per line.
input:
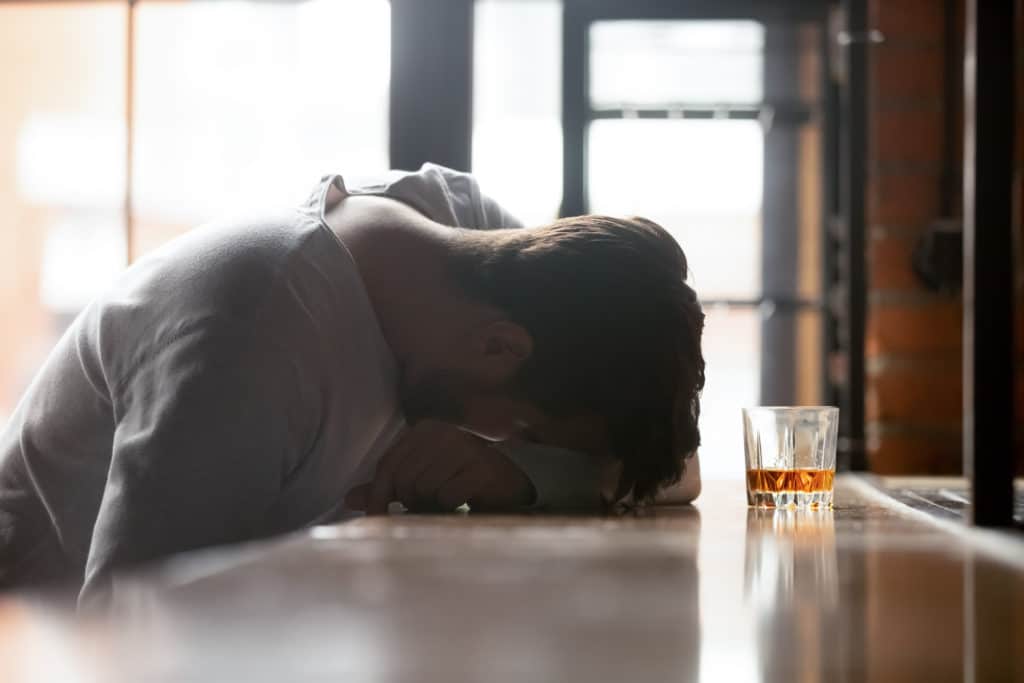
[442,194]
[237,251]
[219,279]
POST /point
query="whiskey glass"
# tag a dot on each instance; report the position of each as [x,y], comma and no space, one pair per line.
[791,456]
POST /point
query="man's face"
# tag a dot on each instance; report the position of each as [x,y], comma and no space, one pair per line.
[462,374]
[468,379]
[494,413]
[461,399]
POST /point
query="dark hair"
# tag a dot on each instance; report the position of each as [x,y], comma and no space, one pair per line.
[616,332]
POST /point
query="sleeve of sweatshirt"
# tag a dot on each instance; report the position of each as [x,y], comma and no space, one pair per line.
[202,442]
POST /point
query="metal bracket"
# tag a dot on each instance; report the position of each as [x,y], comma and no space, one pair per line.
[870,37]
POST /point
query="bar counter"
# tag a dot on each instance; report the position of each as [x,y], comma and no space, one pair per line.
[873,590]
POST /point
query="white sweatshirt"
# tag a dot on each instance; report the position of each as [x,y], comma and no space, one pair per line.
[234,384]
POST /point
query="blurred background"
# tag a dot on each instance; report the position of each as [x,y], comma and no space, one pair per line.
[804,196]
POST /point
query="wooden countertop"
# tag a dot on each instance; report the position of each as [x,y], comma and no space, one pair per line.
[871,591]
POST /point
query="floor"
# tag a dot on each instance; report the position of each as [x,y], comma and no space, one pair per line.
[872,591]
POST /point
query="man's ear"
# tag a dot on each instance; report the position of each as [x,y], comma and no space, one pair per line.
[505,346]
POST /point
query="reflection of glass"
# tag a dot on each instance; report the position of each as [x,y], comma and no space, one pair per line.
[791,552]
[791,455]
[792,583]
[653,62]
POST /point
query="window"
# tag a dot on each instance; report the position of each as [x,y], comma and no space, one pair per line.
[517,129]
[700,180]
[236,105]
[638,63]
[62,170]
[710,127]
[244,105]
[706,127]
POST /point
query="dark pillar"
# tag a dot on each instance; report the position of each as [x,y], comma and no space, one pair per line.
[575,107]
[431,83]
[780,242]
[853,266]
[988,259]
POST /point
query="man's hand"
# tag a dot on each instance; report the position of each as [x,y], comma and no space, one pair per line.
[437,466]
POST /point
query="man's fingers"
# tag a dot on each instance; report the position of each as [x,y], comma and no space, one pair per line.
[381,494]
[432,478]
[382,488]
[409,470]
[462,487]
[358,498]
[433,466]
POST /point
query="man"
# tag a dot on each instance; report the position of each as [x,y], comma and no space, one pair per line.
[257,377]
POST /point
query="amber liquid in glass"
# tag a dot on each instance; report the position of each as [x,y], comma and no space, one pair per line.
[790,481]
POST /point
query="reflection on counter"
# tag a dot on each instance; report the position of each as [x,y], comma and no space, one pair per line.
[792,588]
[866,592]
[787,548]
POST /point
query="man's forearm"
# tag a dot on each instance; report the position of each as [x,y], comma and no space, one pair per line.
[688,488]
[563,479]
[566,479]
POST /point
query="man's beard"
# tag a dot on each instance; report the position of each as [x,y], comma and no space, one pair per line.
[435,396]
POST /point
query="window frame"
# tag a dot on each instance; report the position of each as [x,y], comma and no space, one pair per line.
[786,115]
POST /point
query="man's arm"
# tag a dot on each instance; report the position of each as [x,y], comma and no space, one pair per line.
[688,488]
[202,444]
[439,466]
[563,479]
[571,480]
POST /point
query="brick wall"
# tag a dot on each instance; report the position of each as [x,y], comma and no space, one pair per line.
[913,346]
[914,336]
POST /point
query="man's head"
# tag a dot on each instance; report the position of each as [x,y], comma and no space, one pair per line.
[597,338]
